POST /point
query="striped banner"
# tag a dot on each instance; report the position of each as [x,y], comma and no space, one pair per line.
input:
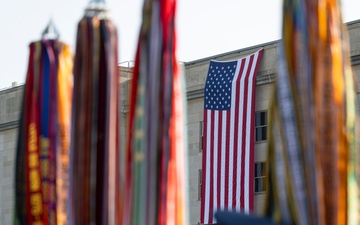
[94,164]
[156,148]
[42,153]
[313,118]
[228,157]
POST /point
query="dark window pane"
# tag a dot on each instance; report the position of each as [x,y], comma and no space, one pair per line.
[257,169]
[260,126]
[260,118]
[260,184]
[263,118]
[257,119]
[260,177]
[260,133]
[264,133]
[257,186]
[260,169]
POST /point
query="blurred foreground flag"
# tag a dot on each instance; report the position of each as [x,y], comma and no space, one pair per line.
[229,134]
[313,116]
[41,177]
[94,170]
[156,175]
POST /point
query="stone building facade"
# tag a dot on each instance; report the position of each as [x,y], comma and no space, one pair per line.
[195,72]
[10,100]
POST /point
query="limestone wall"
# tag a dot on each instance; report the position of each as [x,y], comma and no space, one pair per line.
[10,100]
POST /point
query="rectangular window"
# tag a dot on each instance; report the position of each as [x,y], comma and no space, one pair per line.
[201,128]
[261,122]
[200,184]
[260,177]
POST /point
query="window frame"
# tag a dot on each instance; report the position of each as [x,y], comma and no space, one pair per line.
[261,126]
[262,176]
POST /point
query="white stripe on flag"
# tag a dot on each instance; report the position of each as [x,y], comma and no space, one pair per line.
[223,151]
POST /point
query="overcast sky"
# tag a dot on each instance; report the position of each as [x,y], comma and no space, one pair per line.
[204,27]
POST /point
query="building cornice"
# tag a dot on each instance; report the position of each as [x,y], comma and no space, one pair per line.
[11,88]
[355,60]
[355,22]
[9,125]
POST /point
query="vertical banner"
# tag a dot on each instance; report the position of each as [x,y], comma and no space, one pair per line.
[313,119]
[41,179]
[94,168]
[156,175]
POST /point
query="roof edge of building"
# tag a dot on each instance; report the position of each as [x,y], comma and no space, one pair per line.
[254,47]
[352,22]
[11,88]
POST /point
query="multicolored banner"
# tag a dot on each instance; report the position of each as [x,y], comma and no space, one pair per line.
[155,171]
[312,120]
[41,177]
[94,164]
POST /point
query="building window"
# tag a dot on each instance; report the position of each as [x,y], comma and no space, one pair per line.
[200,184]
[260,177]
[201,128]
[261,126]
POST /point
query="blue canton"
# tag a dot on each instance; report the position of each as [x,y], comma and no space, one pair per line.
[218,85]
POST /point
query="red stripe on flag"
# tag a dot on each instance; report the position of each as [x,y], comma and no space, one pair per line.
[219,159]
[223,159]
[227,159]
[211,207]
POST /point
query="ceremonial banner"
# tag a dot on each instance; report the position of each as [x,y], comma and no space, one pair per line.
[312,147]
[94,164]
[155,170]
[42,156]
[229,129]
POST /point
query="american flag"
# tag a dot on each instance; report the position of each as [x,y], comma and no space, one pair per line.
[228,152]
